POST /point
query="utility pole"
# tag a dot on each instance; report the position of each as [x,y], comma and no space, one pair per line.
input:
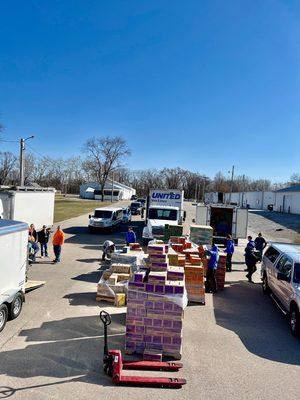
[22,159]
[112,188]
[231,183]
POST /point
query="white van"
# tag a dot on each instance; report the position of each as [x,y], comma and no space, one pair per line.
[105,218]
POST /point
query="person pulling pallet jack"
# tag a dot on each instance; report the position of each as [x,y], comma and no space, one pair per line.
[113,365]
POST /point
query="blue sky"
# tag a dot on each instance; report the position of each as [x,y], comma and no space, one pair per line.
[196,84]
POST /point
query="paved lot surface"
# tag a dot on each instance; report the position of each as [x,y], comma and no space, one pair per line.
[237,346]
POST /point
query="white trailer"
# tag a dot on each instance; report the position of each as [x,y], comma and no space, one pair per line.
[224,220]
[30,205]
[163,207]
[13,250]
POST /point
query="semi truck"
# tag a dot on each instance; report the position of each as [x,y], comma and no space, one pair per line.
[164,207]
[224,219]
[30,205]
[13,248]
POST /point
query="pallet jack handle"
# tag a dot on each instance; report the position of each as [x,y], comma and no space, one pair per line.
[106,320]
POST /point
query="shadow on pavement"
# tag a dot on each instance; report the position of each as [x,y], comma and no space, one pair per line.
[86,299]
[263,329]
[81,235]
[68,348]
[289,221]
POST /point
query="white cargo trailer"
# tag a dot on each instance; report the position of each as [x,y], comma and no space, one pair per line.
[30,205]
[13,250]
[224,220]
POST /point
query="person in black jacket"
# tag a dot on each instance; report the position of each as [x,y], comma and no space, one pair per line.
[43,239]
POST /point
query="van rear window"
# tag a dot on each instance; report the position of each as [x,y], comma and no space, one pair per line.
[272,254]
[102,214]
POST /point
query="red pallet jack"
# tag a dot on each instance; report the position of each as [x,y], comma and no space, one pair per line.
[113,365]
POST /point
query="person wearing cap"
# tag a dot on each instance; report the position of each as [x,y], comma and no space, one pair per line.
[43,239]
[211,281]
[260,244]
[130,236]
[58,241]
[248,250]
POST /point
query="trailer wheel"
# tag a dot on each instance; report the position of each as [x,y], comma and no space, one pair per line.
[3,316]
[16,306]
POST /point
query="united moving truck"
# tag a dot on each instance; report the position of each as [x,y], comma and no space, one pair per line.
[30,205]
[224,220]
[164,207]
[13,263]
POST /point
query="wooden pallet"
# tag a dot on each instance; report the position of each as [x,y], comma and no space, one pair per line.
[31,285]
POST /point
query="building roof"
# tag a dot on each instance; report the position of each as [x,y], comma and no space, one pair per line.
[295,188]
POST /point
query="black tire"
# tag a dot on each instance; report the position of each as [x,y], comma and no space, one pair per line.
[15,307]
[3,316]
[265,286]
[294,320]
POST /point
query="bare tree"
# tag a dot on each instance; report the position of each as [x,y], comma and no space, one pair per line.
[104,157]
[7,164]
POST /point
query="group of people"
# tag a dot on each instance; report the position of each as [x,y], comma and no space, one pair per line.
[253,254]
[38,240]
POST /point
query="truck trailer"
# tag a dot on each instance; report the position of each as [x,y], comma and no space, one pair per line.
[224,219]
[164,207]
[13,248]
[30,205]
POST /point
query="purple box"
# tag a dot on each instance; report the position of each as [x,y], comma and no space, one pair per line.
[169,289]
[147,338]
[151,356]
[168,306]
[135,336]
[177,324]
[149,287]
[140,329]
[154,330]
[149,305]
[177,340]
[140,347]
[157,323]
[159,289]
[130,329]
[154,346]
[139,276]
[157,339]
[158,305]
[167,340]
[148,321]
[179,290]
[167,323]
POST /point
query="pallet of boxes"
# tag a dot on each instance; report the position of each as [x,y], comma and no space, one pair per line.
[112,286]
[185,253]
[202,235]
[155,308]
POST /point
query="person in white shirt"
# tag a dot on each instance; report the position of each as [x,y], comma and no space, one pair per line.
[108,249]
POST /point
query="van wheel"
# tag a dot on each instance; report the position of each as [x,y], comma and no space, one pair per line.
[295,321]
[16,306]
[265,286]
[3,316]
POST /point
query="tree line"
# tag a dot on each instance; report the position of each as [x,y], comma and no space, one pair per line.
[103,158]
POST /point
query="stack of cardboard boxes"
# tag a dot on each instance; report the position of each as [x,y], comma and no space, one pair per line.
[156,299]
[111,286]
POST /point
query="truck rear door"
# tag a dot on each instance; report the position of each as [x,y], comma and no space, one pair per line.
[202,215]
[240,223]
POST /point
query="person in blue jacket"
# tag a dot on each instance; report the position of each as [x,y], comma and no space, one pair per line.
[229,252]
[249,251]
[130,236]
[211,281]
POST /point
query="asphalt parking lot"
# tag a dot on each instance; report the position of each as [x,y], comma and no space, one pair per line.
[237,346]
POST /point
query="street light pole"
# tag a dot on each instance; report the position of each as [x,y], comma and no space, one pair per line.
[22,159]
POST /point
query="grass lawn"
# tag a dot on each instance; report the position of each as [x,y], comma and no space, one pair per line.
[65,208]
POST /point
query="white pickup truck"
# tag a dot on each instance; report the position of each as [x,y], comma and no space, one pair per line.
[163,207]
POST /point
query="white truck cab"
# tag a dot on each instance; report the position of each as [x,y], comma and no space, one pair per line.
[164,207]
[105,218]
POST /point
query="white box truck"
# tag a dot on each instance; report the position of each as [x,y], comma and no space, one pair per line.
[163,207]
[30,205]
[224,219]
[13,264]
